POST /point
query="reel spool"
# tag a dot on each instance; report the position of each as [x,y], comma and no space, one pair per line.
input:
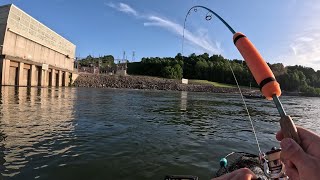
[272,165]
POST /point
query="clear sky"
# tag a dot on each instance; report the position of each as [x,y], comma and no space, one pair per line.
[286,31]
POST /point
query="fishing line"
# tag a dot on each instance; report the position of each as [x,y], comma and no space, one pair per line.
[245,105]
[269,87]
[208,18]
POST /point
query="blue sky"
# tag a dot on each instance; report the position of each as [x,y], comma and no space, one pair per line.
[284,31]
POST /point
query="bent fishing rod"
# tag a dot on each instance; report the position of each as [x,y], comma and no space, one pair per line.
[268,84]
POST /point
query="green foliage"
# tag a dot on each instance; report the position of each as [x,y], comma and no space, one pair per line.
[135,68]
[178,71]
[160,67]
[103,62]
[201,68]
[293,80]
[300,79]
[310,91]
[216,68]
[168,72]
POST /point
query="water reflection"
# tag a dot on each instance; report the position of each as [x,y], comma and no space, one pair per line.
[184,100]
[87,133]
[36,125]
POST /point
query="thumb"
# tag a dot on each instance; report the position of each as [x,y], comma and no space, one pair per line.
[293,152]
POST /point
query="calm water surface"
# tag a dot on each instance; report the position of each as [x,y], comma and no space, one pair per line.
[81,133]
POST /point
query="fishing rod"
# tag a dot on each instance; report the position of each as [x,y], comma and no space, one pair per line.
[269,87]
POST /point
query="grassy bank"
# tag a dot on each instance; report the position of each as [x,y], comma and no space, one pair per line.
[216,84]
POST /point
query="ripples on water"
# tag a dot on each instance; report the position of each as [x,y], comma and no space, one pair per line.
[80,133]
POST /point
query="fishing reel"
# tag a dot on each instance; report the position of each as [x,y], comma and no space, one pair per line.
[273,167]
[266,166]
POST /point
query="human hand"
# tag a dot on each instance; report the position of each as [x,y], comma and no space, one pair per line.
[301,161]
[240,174]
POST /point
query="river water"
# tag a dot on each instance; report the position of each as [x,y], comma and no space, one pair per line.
[83,133]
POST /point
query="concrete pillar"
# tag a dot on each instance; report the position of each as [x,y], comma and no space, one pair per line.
[60,78]
[67,78]
[64,78]
[20,74]
[5,72]
[44,78]
[1,70]
[53,77]
[34,80]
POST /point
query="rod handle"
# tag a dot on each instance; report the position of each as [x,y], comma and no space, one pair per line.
[258,66]
[288,128]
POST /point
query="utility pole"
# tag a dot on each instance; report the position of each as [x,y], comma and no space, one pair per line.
[124,55]
[133,56]
[99,62]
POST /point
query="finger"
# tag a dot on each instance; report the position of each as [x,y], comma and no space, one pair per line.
[310,141]
[245,177]
[279,135]
[245,174]
[292,173]
[225,177]
[293,152]
[306,134]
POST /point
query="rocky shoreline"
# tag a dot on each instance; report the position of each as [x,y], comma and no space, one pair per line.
[146,82]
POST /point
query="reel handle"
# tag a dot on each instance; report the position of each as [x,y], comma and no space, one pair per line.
[288,128]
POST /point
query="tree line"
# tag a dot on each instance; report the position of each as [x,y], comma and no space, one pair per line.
[217,68]
[103,62]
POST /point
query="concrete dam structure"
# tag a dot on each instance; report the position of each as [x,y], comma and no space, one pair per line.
[31,54]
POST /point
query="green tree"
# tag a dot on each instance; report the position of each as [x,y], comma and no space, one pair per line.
[217,68]
[178,71]
[278,69]
[168,72]
[201,68]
